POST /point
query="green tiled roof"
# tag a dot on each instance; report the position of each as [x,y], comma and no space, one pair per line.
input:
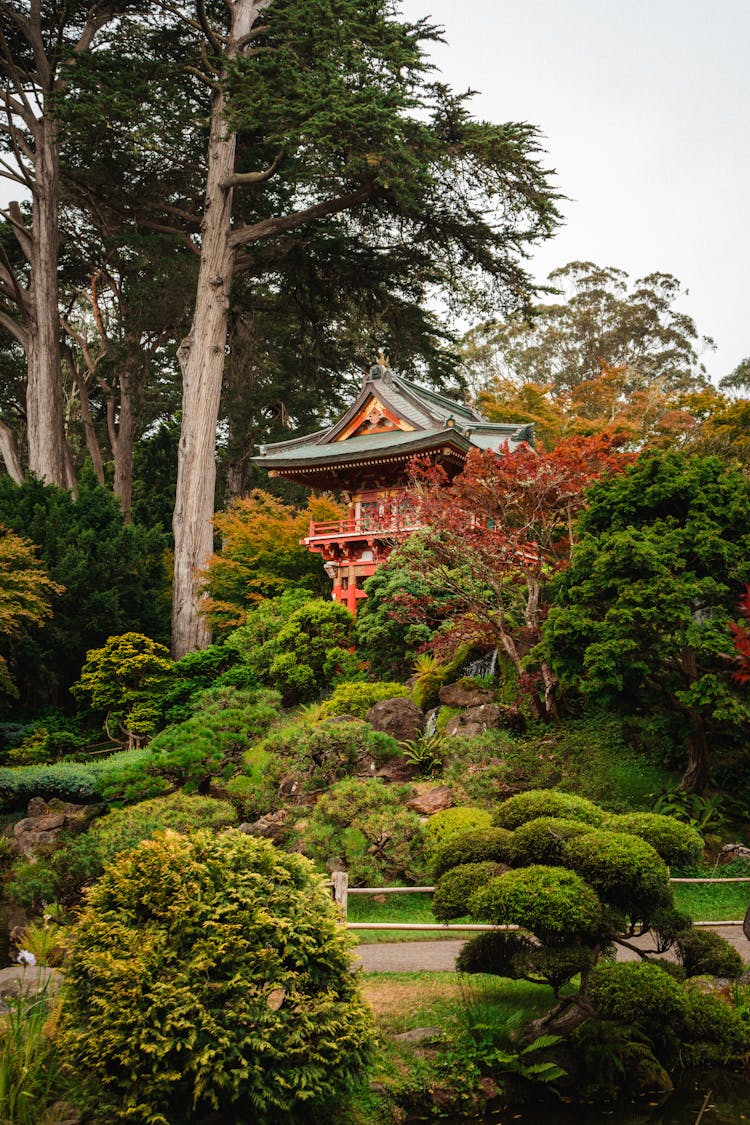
[434,418]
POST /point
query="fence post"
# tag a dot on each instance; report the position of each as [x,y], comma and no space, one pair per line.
[340,880]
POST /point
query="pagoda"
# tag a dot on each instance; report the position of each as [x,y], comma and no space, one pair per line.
[365,457]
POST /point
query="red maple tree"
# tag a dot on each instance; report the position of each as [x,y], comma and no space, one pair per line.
[507,522]
[741,635]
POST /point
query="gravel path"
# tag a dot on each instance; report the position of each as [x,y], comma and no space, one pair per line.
[440,956]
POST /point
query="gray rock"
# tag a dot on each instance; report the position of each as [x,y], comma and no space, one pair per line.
[431,801]
[398,717]
[28,981]
[460,695]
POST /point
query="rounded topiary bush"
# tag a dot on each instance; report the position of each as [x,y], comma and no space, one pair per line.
[677,844]
[552,903]
[453,889]
[624,871]
[473,846]
[537,803]
[542,840]
[638,993]
[702,952]
[209,973]
[450,822]
[713,1033]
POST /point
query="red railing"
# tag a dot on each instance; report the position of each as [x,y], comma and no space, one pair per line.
[392,524]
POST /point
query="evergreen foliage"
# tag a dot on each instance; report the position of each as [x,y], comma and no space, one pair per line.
[112,572]
[538,803]
[209,973]
[357,698]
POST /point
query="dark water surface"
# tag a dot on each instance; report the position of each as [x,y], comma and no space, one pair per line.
[728,1104]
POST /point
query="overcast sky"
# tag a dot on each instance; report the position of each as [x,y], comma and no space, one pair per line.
[645,108]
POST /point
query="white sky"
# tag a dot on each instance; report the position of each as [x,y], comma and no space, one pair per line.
[645,106]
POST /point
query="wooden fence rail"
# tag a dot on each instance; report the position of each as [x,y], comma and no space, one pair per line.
[341,891]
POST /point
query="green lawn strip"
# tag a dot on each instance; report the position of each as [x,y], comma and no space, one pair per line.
[397,908]
[712,902]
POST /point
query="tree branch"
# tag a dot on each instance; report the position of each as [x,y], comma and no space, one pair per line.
[244,179]
[17,331]
[242,236]
[9,452]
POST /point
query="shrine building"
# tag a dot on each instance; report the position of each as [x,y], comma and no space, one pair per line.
[365,455]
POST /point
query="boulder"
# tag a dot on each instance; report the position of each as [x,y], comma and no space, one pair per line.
[397,770]
[474,721]
[272,826]
[39,830]
[488,716]
[398,717]
[30,981]
[465,695]
[431,801]
[419,1035]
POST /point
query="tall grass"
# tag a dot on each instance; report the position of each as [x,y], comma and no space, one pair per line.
[30,1072]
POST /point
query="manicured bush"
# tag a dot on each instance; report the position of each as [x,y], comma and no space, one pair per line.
[358,697]
[678,844]
[546,802]
[712,1032]
[451,897]
[516,956]
[123,829]
[365,824]
[552,903]
[451,822]
[703,952]
[210,973]
[472,846]
[624,871]
[638,993]
[542,840]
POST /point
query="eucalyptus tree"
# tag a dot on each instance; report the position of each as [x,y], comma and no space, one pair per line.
[40,44]
[340,118]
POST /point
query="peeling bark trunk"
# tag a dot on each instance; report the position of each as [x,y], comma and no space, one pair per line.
[201,356]
[9,453]
[48,454]
[698,772]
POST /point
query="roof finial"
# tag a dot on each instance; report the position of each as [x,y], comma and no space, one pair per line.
[381,365]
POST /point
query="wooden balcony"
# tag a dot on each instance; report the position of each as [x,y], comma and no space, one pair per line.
[387,526]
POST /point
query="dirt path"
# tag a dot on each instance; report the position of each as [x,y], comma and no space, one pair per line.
[440,956]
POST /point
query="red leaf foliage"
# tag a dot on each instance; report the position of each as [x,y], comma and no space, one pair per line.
[741,635]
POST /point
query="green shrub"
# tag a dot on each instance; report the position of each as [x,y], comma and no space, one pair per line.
[209,973]
[365,824]
[679,845]
[624,871]
[703,952]
[542,840]
[79,782]
[358,697]
[451,822]
[78,861]
[712,1033]
[554,904]
[318,756]
[123,829]
[208,745]
[516,956]
[637,993]
[543,803]
[472,846]
[455,887]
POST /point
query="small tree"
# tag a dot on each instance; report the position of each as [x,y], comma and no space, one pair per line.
[125,680]
[210,973]
[25,593]
[500,530]
[580,881]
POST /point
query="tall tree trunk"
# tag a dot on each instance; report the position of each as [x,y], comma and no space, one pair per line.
[201,356]
[48,457]
[122,447]
[698,772]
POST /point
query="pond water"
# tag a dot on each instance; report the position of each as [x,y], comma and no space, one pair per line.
[728,1104]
